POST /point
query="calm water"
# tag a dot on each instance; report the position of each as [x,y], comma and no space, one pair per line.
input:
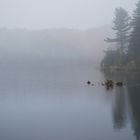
[54,103]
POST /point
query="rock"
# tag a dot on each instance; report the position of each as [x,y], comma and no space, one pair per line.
[109,84]
[119,84]
[88,82]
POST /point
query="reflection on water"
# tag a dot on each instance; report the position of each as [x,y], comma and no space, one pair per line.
[55,103]
[127,100]
[119,109]
[134,96]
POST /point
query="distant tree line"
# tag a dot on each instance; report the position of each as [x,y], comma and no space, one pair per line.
[125,52]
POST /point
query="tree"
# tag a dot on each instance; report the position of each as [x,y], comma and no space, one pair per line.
[134,46]
[110,58]
[122,27]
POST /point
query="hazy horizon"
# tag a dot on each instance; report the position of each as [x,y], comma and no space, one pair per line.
[74,14]
[73,46]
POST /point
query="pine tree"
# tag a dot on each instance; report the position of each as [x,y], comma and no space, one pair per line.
[122,28]
[134,47]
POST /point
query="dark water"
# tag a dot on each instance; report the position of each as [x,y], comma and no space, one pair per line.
[54,103]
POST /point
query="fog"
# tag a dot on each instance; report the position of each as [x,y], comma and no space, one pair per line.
[47,46]
[44,30]
[78,14]
[52,85]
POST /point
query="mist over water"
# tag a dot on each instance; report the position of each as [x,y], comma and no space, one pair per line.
[44,92]
[55,102]
[46,46]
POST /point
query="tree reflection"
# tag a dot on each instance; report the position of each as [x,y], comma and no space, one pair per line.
[124,97]
[134,100]
[119,102]
[119,109]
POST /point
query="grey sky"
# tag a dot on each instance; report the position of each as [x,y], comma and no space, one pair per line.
[39,14]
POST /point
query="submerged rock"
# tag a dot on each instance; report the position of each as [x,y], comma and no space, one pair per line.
[103,84]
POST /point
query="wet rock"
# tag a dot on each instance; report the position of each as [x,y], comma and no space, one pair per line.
[109,84]
[88,82]
[119,84]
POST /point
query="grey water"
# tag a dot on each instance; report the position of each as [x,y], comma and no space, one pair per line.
[54,102]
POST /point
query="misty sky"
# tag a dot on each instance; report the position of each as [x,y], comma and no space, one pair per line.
[39,14]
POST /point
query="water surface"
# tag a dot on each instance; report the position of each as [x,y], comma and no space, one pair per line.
[53,102]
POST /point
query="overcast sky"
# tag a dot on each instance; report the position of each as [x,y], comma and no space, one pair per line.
[39,14]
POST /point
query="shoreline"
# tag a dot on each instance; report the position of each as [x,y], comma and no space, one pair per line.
[121,68]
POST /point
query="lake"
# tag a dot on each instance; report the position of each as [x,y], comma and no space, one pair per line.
[54,102]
